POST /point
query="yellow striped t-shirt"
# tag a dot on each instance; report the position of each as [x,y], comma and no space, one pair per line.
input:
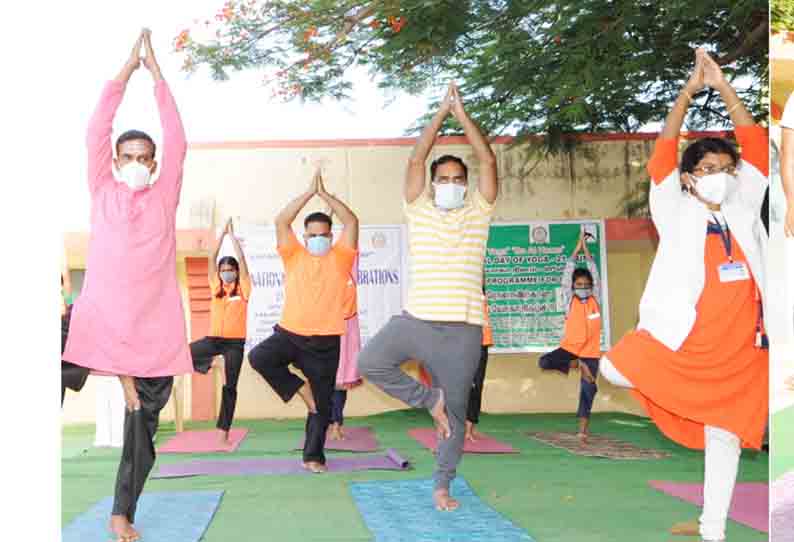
[446,252]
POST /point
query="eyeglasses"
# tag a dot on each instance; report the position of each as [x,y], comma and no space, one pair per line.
[711,170]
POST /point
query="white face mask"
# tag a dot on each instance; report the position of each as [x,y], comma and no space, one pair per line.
[135,175]
[712,188]
[449,195]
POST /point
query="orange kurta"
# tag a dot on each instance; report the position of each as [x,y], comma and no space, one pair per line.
[718,377]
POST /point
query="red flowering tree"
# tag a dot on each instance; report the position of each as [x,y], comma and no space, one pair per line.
[526,67]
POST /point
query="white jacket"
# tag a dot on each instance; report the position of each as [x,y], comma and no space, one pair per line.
[677,277]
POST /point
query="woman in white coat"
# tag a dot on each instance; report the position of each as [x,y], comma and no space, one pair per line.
[698,360]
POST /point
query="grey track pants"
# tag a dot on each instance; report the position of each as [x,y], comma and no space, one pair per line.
[450,351]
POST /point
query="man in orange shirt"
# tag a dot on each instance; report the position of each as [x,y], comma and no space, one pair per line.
[313,319]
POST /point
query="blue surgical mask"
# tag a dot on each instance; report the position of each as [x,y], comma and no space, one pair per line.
[318,245]
[583,293]
[228,276]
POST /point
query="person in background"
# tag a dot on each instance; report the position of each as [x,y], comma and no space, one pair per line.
[347,376]
[230,285]
[317,276]
[698,361]
[581,341]
[478,385]
[72,376]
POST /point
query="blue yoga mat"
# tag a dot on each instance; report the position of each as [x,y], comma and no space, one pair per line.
[404,510]
[181,516]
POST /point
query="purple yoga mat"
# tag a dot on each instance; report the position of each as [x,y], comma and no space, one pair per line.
[357,439]
[392,460]
[750,504]
[782,508]
[426,436]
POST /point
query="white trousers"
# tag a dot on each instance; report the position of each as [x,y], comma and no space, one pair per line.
[110,407]
[723,449]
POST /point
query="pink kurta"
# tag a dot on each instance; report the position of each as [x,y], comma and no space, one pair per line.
[350,343]
[129,318]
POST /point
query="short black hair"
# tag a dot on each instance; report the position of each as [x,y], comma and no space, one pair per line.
[445,159]
[582,272]
[131,135]
[318,217]
[697,150]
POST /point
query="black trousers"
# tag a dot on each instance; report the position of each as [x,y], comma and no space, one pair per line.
[560,360]
[203,351]
[72,376]
[338,400]
[475,397]
[318,357]
[137,455]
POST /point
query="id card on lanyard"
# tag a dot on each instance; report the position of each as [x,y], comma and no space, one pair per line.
[731,271]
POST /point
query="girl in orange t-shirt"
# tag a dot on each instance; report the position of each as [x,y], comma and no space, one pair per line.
[698,362]
[231,289]
[581,342]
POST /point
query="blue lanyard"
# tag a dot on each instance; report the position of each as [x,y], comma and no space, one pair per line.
[725,234]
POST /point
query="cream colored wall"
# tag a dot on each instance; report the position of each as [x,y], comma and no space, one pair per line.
[253,184]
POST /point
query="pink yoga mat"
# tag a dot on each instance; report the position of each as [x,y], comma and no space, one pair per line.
[782,512]
[202,442]
[750,504]
[357,439]
[391,460]
[426,436]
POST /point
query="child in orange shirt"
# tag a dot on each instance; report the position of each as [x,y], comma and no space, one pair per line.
[231,289]
[581,290]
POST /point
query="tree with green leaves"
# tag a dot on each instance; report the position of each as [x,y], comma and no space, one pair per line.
[525,67]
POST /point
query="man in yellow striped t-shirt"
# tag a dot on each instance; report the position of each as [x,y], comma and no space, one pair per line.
[442,323]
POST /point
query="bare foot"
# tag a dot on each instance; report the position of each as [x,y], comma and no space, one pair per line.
[335,432]
[122,529]
[471,434]
[308,397]
[223,437]
[686,528]
[444,502]
[315,467]
[439,414]
[582,438]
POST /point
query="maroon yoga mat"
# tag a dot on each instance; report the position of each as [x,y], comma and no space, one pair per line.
[426,436]
[357,439]
[202,442]
[750,504]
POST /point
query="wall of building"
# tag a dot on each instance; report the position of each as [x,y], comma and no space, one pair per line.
[253,181]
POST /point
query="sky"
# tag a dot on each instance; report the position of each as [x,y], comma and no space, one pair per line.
[212,111]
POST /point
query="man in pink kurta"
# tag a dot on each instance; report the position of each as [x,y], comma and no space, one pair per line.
[129,320]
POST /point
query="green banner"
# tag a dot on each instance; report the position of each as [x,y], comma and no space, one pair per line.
[523,272]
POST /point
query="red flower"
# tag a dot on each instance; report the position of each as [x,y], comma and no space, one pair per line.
[397,23]
[375,24]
